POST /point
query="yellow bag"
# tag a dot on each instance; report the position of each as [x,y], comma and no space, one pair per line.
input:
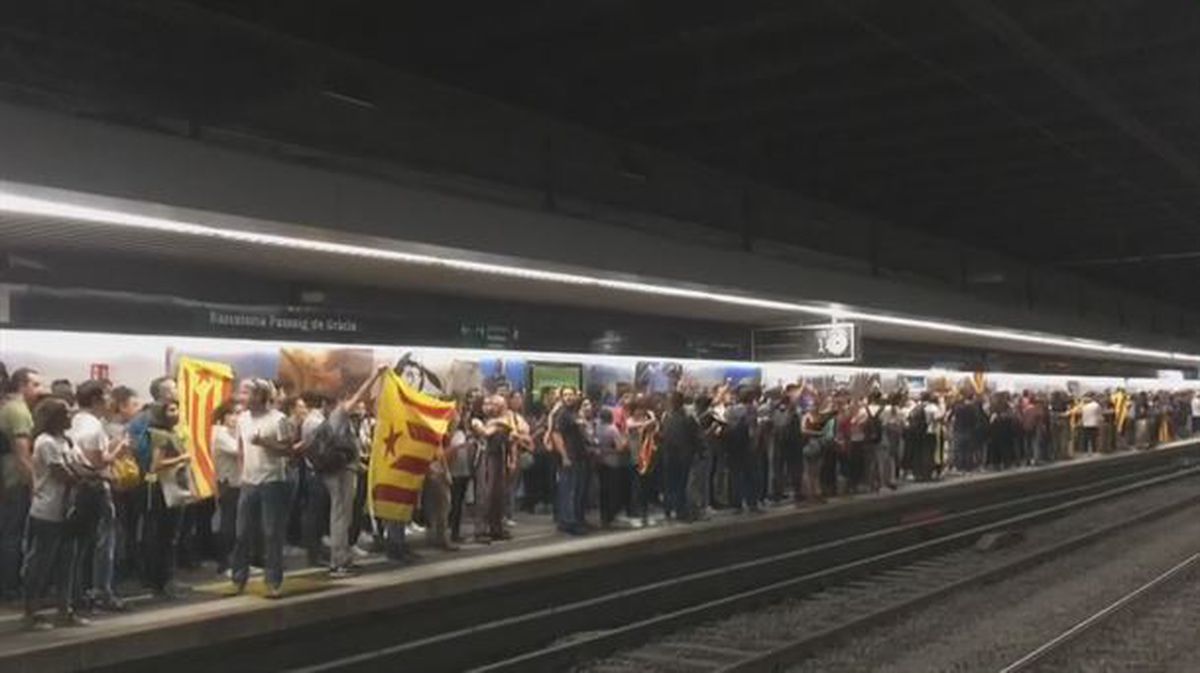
[126,473]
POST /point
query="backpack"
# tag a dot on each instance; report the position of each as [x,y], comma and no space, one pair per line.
[916,420]
[788,433]
[873,427]
[331,450]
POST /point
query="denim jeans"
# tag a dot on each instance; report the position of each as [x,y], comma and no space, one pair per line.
[52,558]
[675,474]
[743,484]
[227,507]
[342,487]
[571,493]
[14,510]
[262,508]
[103,558]
[160,544]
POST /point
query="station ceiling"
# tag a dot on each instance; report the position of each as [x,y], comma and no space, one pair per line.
[1066,133]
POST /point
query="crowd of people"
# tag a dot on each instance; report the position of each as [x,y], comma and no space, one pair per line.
[94,485]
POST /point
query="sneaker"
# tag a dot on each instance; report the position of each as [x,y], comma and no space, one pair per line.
[176,590]
[359,552]
[340,573]
[73,619]
[37,623]
[111,604]
[274,593]
[510,522]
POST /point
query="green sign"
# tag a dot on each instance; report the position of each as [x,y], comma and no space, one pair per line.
[548,377]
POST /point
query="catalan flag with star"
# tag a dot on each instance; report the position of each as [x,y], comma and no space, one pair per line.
[409,429]
[202,386]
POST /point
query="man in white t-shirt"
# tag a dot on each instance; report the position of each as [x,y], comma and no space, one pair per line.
[263,501]
[1090,415]
[91,437]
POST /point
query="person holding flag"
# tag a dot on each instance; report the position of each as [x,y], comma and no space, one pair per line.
[410,429]
[333,452]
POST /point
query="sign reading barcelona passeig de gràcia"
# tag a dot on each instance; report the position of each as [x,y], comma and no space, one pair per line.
[282,322]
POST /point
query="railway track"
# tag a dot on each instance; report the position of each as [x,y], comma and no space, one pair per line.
[874,564]
[771,639]
[1141,630]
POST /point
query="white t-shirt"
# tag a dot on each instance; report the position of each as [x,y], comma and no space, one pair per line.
[1090,414]
[50,489]
[258,465]
[1196,405]
[933,416]
[89,435]
[225,454]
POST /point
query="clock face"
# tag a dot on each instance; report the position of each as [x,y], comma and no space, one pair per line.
[837,342]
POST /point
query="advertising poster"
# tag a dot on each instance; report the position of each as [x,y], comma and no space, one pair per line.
[657,377]
[546,377]
[330,371]
[504,374]
[607,383]
[704,377]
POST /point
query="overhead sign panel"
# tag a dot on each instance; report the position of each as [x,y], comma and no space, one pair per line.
[828,343]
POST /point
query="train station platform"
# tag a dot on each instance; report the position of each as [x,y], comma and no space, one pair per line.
[211,615]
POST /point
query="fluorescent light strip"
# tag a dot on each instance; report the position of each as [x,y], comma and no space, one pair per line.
[43,207]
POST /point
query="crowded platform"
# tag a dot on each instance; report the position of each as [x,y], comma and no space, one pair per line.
[170,458]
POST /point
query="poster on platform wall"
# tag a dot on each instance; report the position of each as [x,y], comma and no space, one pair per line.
[547,377]
[135,360]
[607,382]
[661,376]
[335,372]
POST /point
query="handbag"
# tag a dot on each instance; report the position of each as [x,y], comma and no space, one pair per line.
[126,475]
[176,484]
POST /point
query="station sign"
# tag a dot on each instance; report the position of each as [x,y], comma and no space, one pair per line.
[826,343]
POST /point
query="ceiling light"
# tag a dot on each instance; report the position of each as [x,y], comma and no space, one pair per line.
[25,205]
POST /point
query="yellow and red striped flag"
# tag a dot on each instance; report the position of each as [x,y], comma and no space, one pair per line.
[409,429]
[202,386]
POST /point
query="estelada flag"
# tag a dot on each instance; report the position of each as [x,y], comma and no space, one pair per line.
[202,386]
[409,429]
[979,382]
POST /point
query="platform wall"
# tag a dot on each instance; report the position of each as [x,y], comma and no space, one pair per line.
[333,368]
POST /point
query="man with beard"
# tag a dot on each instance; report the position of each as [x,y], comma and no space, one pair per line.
[570,442]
